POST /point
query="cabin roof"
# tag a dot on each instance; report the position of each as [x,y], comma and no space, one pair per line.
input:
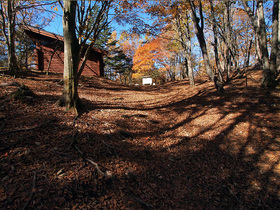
[54,36]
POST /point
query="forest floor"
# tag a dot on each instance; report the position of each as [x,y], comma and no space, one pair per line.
[154,147]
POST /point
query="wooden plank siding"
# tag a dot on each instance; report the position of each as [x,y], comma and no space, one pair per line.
[49,53]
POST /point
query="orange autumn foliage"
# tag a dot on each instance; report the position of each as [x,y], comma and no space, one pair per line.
[154,55]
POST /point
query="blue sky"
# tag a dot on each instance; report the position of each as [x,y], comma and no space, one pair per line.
[56,25]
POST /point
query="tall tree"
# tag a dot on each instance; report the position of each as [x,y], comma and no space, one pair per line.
[268,77]
[275,40]
[201,39]
[278,53]
[182,27]
[79,28]
[215,44]
[116,61]
[8,12]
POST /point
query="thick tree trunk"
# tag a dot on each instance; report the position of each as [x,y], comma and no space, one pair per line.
[12,59]
[70,98]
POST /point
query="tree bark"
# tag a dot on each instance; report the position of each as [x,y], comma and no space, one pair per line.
[189,54]
[10,37]
[228,40]
[267,76]
[183,30]
[275,44]
[201,39]
[215,45]
[70,98]
[278,53]
[268,79]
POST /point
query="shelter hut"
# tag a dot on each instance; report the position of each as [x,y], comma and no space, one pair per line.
[49,53]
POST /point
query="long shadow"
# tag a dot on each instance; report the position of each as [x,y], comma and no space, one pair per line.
[226,172]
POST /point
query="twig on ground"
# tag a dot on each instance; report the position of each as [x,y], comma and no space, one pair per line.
[77,148]
[73,143]
[32,191]
[231,193]
[28,129]
[110,146]
[74,121]
[10,84]
[73,140]
[63,154]
[45,178]
[143,203]
[96,166]
[3,125]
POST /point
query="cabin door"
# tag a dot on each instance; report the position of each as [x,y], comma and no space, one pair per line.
[40,60]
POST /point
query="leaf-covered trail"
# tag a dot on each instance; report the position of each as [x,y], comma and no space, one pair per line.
[158,147]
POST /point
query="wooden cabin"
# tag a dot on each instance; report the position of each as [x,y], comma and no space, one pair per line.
[49,53]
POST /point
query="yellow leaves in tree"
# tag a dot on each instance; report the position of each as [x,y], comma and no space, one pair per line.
[54,8]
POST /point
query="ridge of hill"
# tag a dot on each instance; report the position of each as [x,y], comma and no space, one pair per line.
[163,147]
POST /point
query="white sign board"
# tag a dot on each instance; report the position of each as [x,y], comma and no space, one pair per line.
[147,81]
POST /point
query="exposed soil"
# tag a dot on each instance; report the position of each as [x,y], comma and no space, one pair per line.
[156,147]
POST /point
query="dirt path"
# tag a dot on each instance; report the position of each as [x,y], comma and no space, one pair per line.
[161,147]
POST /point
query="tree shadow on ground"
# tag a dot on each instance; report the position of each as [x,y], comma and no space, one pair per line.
[205,151]
[231,168]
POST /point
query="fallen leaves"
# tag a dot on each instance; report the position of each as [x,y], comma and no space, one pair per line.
[162,147]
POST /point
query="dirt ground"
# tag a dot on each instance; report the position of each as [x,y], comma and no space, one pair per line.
[155,147]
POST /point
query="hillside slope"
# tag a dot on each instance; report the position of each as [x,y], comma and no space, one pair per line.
[161,147]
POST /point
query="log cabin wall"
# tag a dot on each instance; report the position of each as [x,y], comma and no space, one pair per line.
[49,54]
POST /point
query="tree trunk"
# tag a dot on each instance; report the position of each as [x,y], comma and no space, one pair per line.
[268,79]
[184,70]
[183,30]
[248,51]
[70,98]
[189,54]
[12,59]
[267,75]
[275,44]
[215,45]
[278,53]
[230,51]
[200,36]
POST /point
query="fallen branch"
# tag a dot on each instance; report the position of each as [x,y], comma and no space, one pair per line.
[27,129]
[32,191]
[96,166]
[10,84]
